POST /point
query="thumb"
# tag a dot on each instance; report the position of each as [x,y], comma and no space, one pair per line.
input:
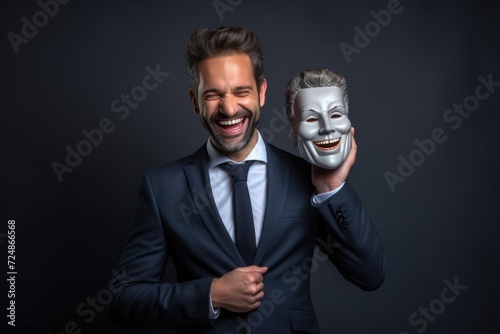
[253,269]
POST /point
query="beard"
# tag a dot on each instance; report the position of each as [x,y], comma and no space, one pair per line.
[221,141]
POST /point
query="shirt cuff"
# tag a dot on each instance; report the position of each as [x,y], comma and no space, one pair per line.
[316,200]
[213,312]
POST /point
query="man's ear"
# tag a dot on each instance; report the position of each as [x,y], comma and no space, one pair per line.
[262,92]
[194,101]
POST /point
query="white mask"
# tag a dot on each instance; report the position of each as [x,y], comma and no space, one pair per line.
[322,126]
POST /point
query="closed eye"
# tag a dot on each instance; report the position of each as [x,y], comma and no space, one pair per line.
[242,93]
[212,97]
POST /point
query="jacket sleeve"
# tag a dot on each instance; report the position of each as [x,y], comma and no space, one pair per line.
[139,298]
[351,241]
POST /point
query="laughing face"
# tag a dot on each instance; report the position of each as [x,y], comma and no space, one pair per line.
[229,103]
[322,126]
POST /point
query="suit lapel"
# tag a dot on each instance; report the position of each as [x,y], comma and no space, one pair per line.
[198,181]
[277,189]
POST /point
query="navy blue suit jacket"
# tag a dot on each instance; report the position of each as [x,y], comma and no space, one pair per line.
[177,218]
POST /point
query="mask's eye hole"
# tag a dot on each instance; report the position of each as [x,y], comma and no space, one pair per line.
[311,119]
[334,116]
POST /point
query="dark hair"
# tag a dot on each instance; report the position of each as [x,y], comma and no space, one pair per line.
[205,43]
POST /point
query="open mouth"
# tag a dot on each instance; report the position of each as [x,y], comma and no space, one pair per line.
[233,126]
[230,122]
[326,145]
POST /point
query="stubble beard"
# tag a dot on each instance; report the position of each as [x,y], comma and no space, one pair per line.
[219,140]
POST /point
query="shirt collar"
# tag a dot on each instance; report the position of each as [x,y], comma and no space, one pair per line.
[258,153]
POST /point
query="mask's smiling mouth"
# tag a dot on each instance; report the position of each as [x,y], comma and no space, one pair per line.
[329,144]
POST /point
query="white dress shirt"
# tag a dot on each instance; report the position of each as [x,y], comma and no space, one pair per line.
[257,181]
[222,187]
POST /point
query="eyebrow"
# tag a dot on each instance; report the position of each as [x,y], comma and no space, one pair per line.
[244,87]
[333,108]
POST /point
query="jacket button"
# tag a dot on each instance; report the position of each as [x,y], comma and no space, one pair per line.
[340,218]
[242,330]
[338,214]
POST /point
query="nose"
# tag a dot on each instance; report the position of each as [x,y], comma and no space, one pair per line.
[325,125]
[228,105]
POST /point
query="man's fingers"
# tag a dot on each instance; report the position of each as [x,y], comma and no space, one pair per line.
[240,290]
[351,157]
[257,298]
[253,268]
[255,289]
[252,278]
[259,290]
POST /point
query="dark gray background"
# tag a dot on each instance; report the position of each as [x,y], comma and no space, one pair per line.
[440,224]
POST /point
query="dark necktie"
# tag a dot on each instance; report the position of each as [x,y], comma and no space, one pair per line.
[243,217]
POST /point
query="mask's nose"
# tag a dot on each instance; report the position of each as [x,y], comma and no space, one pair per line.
[325,125]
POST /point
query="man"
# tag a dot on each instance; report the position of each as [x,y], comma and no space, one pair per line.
[186,213]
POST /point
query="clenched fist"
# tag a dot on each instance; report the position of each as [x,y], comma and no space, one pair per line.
[240,290]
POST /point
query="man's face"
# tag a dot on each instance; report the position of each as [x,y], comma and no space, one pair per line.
[228,102]
[322,126]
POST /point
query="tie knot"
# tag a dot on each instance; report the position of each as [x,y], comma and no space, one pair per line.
[238,172]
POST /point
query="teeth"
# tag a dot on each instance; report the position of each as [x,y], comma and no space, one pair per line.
[327,142]
[231,122]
